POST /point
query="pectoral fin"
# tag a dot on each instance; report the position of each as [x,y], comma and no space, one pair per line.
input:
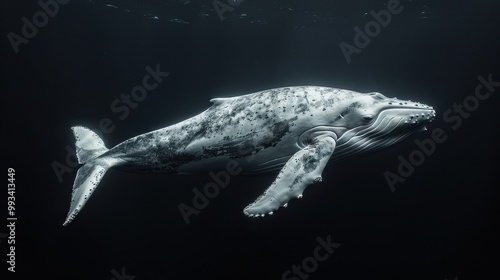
[301,170]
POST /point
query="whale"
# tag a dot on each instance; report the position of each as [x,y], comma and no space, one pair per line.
[292,131]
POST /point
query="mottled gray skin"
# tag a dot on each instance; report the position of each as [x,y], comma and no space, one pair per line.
[236,128]
[295,129]
[264,126]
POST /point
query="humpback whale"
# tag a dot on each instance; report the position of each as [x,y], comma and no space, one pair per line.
[296,130]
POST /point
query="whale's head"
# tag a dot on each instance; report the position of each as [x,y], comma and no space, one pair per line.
[372,121]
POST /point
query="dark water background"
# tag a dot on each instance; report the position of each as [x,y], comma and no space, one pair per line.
[441,223]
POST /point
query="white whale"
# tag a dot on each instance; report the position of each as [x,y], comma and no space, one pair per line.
[295,129]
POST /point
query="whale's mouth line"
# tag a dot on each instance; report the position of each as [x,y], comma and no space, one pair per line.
[418,116]
[389,128]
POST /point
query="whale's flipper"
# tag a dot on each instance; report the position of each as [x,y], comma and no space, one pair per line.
[301,170]
[89,148]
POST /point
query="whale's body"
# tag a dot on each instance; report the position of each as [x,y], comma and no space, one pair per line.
[295,129]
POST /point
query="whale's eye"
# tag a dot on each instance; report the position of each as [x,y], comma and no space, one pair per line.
[368,118]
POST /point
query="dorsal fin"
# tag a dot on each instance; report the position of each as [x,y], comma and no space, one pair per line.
[220,100]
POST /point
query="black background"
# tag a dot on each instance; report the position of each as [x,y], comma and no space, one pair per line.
[441,223]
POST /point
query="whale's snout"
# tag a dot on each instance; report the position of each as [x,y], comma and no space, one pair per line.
[419,116]
[409,112]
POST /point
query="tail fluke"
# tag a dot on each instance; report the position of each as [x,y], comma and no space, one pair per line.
[88,144]
[89,148]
